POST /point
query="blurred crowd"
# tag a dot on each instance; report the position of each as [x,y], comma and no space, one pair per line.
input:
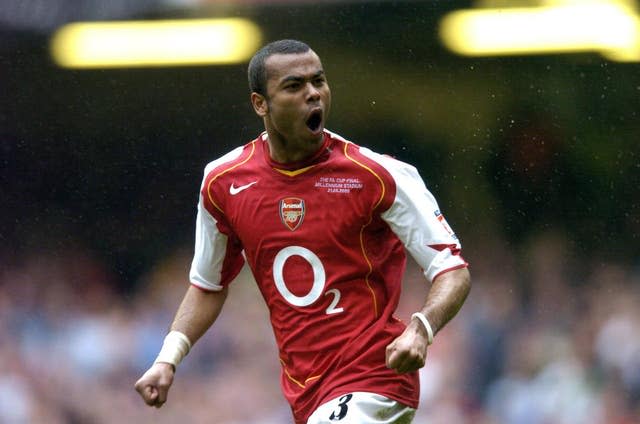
[544,338]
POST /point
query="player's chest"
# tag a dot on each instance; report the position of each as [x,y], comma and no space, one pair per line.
[279,210]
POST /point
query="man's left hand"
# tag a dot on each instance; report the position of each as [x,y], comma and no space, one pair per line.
[408,352]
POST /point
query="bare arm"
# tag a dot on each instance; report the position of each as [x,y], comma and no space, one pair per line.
[445,298]
[197,312]
[448,292]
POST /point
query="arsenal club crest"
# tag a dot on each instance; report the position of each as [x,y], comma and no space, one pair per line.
[292,212]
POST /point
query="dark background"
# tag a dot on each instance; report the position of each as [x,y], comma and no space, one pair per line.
[112,159]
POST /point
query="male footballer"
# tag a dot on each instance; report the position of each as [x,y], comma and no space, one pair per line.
[324,225]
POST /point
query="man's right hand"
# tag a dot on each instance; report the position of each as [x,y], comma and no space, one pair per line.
[154,384]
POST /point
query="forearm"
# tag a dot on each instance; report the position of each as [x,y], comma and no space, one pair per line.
[448,292]
[197,312]
[446,296]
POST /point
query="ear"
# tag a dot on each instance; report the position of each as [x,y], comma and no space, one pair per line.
[260,104]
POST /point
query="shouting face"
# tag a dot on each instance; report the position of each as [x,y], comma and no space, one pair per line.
[296,103]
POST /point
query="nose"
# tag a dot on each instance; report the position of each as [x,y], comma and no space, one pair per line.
[313,93]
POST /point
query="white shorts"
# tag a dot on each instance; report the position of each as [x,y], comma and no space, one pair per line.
[362,408]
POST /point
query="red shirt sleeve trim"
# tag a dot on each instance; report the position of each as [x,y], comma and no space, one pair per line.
[464,265]
[204,289]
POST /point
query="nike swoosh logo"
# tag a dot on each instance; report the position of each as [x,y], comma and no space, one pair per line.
[235,190]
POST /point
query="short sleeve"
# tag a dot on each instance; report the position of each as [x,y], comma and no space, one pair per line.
[217,258]
[415,217]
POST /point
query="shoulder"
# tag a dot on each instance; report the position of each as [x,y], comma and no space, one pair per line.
[376,162]
[230,160]
[224,161]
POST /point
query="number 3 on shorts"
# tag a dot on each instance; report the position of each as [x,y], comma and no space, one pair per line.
[362,408]
[342,408]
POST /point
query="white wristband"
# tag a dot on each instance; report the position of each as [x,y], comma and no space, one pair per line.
[426,324]
[175,347]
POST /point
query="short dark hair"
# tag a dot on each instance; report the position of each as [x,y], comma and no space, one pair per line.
[257,71]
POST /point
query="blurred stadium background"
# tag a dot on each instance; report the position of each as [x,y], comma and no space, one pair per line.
[534,157]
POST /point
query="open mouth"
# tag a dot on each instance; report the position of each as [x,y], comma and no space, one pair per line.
[314,120]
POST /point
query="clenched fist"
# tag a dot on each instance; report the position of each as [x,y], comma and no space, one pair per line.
[154,384]
[408,352]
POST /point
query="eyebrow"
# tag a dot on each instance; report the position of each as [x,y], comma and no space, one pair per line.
[299,78]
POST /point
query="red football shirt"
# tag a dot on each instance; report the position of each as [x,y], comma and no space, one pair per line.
[325,241]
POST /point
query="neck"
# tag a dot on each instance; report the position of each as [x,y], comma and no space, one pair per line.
[289,151]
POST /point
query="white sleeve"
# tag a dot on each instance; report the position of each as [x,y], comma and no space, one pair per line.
[416,219]
[209,254]
[210,244]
